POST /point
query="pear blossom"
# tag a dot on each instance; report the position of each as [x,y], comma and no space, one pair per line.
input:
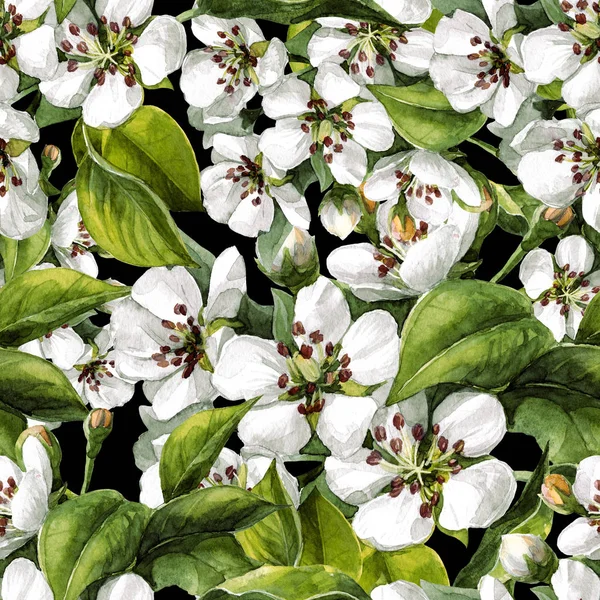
[561,286]
[95,375]
[108,62]
[372,51]
[24,581]
[340,212]
[23,497]
[23,204]
[475,67]
[399,590]
[423,231]
[71,240]
[33,49]
[526,557]
[567,152]
[330,376]
[241,189]
[575,581]
[399,483]
[582,536]
[244,470]
[225,75]
[322,120]
[63,346]
[568,51]
[168,337]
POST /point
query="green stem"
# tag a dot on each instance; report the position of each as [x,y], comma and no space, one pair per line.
[87,476]
[511,263]
[487,147]
[188,15]
[523,476]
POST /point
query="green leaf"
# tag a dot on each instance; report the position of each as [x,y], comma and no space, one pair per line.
[322,170]
[285,12]
[290,583]
[475,7]
[63,8]
[195,563]
[37,388]
[193,447]
[88,538]
[320,483]
[12,424]
[257,319]
[423,116]
[38,302]
[151,146]
[283,317]
[589,328]
[127,219]
[468,332]
[441,592]
[550,91]
[277,539]
[544,592]
[514,520]
[47,114]
[557,400]
[328,539]
[412,564]
[532,17]
[554,12]
[210,510]
[21,255]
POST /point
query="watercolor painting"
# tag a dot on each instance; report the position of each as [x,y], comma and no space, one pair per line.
[299,299]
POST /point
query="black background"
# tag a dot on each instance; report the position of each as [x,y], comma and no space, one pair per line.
[115,467]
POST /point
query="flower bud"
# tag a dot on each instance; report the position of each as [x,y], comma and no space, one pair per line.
[97,428]
[560,216]
[51,152]
[50,444]
[558,495]
[527,558]
[288,255]
[340,211]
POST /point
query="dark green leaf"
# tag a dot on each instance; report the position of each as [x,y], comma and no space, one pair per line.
[474,7]
[38,302]
[63,8]
[257,319]
[554,11]
[47,114]
[589,328]
[37,388]
[423,116]
[322,170]
[193,447]
[12,424]
[283,317]
[468,332]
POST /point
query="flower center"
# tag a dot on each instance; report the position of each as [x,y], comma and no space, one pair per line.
[93,373]
[187,347]
[370,46]
[423,466]
[585,30]
[569,289]
[313,371]
[494,63]
[8,172]
[253,178]
[7,492]
[107,47]
[82,242]
[236,60]
[10,21]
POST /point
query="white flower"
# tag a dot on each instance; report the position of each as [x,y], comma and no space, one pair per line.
[63,346]
[340,215]
[398,590]
[163,333]
[567,153]
[23,497]
[245,471]
[372,51]
[330,374]
[575,581]
[567,51]
[561,287]
[33,50]
[423,231]
[23,581]
[96,376]
[306,125]
[70,239]
[492,589]
[223,77]
[421,475]
[474,66]
[519,552]
[582,536]
[239,189]
[108,64]
[23,204]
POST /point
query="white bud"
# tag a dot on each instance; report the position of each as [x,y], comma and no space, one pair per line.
[342,220]
[519,551]
[300,246]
